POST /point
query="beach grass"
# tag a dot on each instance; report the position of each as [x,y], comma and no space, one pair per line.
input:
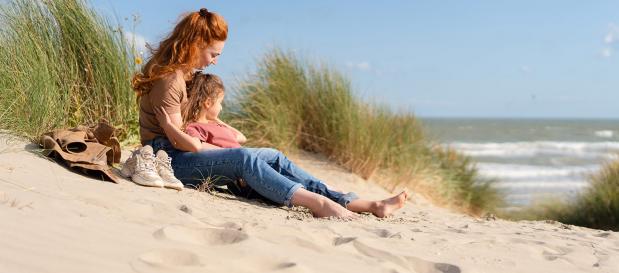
[293,104]
[62,65]
[596,207]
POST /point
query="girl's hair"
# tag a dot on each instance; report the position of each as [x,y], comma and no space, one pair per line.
[201,88]
[180,50]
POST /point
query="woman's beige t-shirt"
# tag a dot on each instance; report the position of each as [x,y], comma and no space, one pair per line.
[169,92]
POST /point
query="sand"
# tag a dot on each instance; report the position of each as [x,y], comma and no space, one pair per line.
[56,220]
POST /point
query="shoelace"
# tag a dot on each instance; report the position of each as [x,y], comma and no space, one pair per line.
[167,163]
[145,164]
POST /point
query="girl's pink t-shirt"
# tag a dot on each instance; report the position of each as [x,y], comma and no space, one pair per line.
[213,133]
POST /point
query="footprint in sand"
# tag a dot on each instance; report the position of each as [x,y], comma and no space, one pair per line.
[408,263]
[167,260]
[604,234]
[201,236]
[343,240]
[551,253]
[383,233]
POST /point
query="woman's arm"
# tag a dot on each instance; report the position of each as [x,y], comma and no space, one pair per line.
[171,126]
[179,139]
[240,137]
[208,146]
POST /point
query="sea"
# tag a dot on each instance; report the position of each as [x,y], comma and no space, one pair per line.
[531,160]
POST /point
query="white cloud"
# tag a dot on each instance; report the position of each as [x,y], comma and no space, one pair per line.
[612,36]
[136,40]
[432,102]
[363,66]
[610,40]
[525,68]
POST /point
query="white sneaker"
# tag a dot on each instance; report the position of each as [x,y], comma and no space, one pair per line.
[145,171]
[164,168]
[129,166]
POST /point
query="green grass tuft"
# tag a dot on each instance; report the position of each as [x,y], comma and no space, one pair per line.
[292,104]
[61,65]
[597,207]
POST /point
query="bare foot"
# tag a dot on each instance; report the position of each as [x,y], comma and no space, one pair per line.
[329,208]
[388,206]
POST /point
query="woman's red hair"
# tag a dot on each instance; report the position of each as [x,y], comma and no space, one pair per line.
[180,50]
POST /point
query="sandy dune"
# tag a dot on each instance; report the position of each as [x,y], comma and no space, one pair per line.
[55,220]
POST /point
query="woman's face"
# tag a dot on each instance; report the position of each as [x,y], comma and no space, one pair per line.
[210,54]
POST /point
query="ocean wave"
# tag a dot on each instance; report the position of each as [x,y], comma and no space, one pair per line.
[605,133]
[604,150]
[542,184]
[519,172]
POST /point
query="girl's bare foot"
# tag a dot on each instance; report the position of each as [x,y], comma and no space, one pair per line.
[388,206]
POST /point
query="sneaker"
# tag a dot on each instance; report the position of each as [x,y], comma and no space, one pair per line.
[164,168]
[129,166]
[145,172]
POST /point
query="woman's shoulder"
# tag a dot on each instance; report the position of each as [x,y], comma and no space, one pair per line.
[176,78]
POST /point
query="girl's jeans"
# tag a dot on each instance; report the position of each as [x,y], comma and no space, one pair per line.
[267,171]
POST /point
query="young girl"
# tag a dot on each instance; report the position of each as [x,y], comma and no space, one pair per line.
[202,124]
[201,116]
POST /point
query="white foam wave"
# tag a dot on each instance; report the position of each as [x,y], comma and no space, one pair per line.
[606,150]
[515,171]
[541,184]
[605,133]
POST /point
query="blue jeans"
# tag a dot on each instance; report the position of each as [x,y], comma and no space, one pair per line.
[267,171]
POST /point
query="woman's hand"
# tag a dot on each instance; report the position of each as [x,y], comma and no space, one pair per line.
[240,137]
[171,126]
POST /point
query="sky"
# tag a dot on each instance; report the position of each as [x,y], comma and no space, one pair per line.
[517,59]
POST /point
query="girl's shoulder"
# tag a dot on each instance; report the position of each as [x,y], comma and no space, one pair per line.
[197,125]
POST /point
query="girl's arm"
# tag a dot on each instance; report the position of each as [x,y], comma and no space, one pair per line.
[240,137]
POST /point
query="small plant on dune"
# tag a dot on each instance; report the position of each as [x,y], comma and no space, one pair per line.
[596,207]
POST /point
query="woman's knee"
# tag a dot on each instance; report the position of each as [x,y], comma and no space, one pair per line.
[271,153]
[244,154]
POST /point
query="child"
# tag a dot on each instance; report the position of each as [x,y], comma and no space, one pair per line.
[202,123]
[201,116]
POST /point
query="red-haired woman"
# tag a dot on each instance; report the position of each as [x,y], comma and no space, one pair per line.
[196,42]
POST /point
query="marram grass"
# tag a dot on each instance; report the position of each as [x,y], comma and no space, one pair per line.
[61,64]
[293,104]
[596,207]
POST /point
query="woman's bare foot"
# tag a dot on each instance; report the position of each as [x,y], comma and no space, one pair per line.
[319,205]
[329,208]
[388,206]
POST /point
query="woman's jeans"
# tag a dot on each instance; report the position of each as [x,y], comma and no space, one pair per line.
[267,171]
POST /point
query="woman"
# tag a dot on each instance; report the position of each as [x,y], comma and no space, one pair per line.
[196,42]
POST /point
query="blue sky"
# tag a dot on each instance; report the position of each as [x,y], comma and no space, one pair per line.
[556,59]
